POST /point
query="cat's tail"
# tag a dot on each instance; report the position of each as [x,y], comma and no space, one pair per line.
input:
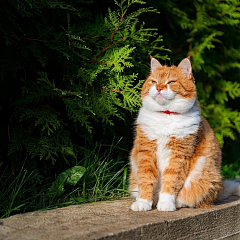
[230,187]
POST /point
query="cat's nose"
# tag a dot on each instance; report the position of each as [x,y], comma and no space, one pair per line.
[159,89]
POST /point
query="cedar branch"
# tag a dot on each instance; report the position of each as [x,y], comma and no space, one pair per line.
[34,39]
[111,38]
[113,90]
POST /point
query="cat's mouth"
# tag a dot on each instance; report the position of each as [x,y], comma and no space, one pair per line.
[159,95]
[163,96]
[161,99]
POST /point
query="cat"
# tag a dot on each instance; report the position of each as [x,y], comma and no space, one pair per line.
[176,159]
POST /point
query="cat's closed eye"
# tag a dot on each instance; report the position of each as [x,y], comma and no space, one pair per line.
[171,82]
[154,82]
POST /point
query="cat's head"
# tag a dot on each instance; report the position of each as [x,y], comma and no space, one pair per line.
[169,88]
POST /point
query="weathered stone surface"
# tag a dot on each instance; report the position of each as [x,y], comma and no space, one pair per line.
[115,220]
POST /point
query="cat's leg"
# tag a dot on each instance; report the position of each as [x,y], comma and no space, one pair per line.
[133,186]
[174,171]
[172,181]
[201,194]
[202,185]
[144,156]
[147,177]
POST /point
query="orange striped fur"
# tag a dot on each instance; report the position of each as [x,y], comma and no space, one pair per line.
[176,159]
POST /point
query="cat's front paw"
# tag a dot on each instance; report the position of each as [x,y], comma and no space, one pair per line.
[166,202]
[141,205]
[166,206]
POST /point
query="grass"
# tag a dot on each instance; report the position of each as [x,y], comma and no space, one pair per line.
[231,170]
[97,177]
[12,194]
[106,176]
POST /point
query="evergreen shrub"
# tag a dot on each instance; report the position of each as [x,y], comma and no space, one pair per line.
[69,71]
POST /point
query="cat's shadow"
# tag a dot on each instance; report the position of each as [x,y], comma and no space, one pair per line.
[217,203]
[228,200]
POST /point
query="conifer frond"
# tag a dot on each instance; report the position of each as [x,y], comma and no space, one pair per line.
[76,110]
[226,89]
[82,72]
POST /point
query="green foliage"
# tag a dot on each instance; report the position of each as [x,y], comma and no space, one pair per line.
[214,23]
[105,176]
[73,71]
[14,194]
[209,32]
[69,177]
[102,177]
[68,75]
[231,170]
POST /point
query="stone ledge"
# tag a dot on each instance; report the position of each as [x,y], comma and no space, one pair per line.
[115,220]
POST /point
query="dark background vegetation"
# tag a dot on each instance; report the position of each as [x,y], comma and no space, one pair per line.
[70,77]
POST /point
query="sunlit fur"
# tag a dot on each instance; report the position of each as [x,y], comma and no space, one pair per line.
[176,159]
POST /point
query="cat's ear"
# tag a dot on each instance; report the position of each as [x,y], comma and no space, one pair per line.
[186,67]
[154,64]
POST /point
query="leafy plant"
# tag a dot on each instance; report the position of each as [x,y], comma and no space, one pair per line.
[209,32]
[67,75]
[80,77]
[69,177]
[103,177]
[231,170]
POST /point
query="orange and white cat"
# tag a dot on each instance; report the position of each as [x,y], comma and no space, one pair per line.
[176,159]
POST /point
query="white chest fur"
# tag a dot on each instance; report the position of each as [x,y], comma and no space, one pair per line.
[156,125]
[160,126]
[163,153]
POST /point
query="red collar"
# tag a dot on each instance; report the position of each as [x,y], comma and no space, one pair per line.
[168,112]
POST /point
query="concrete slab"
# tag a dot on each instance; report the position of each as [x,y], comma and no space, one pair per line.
[114,220]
